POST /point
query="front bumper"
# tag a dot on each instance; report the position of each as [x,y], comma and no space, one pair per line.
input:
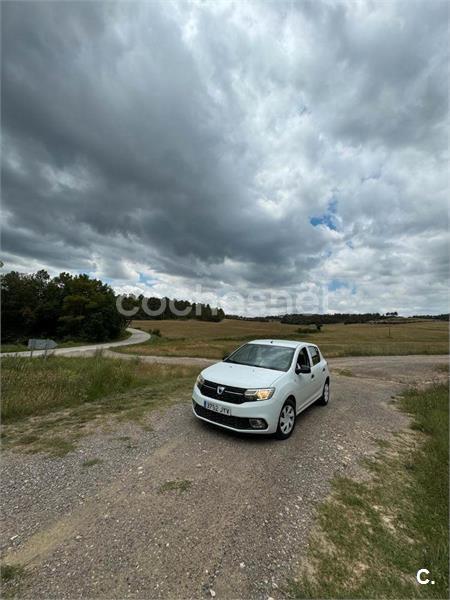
[240,413]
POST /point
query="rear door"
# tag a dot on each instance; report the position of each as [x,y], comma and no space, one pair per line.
[316,370]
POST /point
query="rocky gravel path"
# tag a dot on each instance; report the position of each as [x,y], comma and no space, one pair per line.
[234,524]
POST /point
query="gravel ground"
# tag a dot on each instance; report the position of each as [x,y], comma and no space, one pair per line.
[236,531]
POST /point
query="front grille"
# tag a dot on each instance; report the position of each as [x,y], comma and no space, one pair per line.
[236,422]
[231,394]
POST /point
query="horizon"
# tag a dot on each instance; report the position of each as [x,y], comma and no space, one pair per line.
[215,307]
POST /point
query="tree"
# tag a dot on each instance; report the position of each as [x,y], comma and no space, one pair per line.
[88,309]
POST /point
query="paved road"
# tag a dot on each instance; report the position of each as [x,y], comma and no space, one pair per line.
[237,531]
[137,337]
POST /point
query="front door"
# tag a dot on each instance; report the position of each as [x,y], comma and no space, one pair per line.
[304,381]
[316,370]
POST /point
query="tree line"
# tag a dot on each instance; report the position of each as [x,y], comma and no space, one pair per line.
[313,319]
[349,318]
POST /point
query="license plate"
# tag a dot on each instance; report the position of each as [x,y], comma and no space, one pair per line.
[223,410]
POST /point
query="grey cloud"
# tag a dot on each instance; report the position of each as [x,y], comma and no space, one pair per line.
[197,140]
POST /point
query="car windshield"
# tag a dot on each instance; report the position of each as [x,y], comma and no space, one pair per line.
[264,356]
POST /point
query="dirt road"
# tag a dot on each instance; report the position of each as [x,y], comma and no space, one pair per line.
[235,522]
[137,337]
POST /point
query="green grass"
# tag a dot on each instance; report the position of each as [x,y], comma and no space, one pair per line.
[13,347]
[24,347]
[56,446]
[12,577]
[391,526]
[177,485]
[10,572]
[48,404]
[214,340]
[91,462]
[61,344]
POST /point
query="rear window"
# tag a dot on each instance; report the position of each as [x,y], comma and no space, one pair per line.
[265,356]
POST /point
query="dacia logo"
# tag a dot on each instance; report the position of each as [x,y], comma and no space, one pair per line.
[220,389]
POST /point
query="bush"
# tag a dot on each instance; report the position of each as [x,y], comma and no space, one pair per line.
[306,330]
[156,332]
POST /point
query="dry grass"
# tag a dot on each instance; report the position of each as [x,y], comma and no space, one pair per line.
[343,372]
[214,340]
[38,386]
[177,485]
[224,329]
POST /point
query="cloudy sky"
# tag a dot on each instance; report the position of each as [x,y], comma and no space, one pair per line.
[231,149]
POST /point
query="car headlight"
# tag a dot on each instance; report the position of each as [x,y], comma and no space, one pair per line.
[200,381]
[259,393]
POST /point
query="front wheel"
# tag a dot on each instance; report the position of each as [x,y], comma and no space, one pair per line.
[286,420]
[324,399]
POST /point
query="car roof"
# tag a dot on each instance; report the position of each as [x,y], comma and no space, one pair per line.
[285,343]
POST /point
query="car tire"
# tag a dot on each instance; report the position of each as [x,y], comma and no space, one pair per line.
[286,420]
[325,398]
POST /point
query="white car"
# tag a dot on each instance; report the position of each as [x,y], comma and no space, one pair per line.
[262,387]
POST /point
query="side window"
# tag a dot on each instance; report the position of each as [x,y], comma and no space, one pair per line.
[314,354]
[303,358]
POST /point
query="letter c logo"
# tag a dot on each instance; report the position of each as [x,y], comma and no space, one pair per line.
[419,576]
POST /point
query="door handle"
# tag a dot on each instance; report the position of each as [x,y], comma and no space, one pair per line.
[323,370]
[312,376]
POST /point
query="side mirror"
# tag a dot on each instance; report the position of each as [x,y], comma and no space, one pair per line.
[302,369]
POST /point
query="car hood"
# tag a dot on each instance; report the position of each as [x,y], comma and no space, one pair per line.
[241,375]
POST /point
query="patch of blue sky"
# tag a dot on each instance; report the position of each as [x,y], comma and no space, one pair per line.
[147,280]
[328,218]
[338,284]
[93,275]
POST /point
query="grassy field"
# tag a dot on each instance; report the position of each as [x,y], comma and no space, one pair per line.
[48,404]
[392,526]
[214,340]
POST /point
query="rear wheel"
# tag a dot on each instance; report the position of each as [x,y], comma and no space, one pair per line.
[286,420]
[324,399]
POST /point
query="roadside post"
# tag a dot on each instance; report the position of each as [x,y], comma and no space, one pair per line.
[38,344]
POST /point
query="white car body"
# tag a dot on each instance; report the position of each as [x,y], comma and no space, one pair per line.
[217,399]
